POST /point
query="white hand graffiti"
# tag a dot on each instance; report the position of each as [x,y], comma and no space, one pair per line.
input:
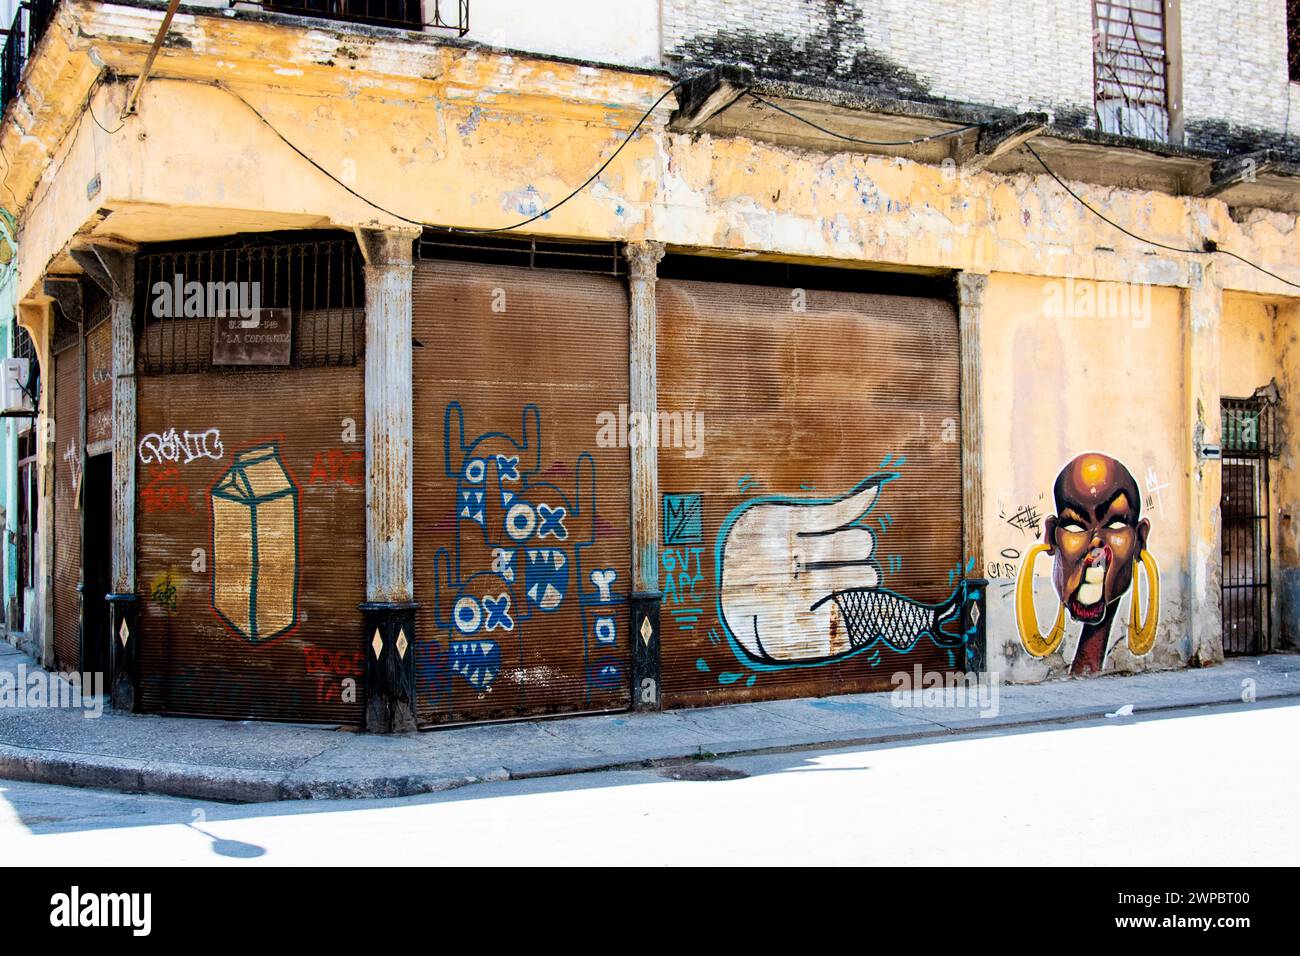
[781,558]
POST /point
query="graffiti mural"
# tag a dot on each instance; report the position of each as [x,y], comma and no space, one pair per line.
[798,583]
[1097,539]
[518,555]
[255,545]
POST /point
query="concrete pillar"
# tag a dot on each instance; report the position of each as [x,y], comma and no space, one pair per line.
[389,609]
[112,266]
[36,316]
[1202,321]
[643,264]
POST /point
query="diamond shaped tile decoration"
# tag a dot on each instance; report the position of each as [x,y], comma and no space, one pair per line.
[401,643]
[377,644]
[975,614]
[123,632]
[647,629]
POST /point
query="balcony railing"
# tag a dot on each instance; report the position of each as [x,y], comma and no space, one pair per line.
[21,38]
[405,14]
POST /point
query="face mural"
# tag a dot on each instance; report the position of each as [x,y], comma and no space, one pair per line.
[1096,539]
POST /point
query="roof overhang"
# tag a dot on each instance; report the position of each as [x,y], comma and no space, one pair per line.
[719,102]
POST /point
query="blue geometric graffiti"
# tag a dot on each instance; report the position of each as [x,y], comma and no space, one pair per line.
[518,552]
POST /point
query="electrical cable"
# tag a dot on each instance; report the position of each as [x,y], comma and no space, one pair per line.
[452,229]
[863,142]
[1210,247]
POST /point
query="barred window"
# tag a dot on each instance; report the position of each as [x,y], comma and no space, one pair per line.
[1131,68]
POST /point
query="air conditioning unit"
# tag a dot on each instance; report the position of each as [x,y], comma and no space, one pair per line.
[17,401]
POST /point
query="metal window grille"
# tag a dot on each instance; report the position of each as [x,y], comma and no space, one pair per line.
[1131,68]
[321,283]
[1249,440]
[24,347]
[404,14]
[601,258]
[1293,40]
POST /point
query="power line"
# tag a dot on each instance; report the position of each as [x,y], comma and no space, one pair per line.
[414,222]
[1210,246]
[863,142]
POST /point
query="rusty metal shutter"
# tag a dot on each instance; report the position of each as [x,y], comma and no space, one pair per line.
[812,544]
[99,387]
[67,506]
[250,542]
[522,559]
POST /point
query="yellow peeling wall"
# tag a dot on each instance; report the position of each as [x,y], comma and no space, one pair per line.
[1066,370]
[1259,345]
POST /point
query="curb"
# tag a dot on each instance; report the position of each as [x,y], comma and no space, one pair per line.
[238,785]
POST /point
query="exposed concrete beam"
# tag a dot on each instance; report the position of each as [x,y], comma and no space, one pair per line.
[67,292]
[110,265]
[708,94]
[999,137]
[1226,173]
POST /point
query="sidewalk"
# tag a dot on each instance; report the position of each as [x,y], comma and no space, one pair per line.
[250,761]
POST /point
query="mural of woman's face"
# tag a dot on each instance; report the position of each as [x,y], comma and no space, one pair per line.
[1095,535]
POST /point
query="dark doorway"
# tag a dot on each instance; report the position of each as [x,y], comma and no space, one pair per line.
[1246,540]
[97,551]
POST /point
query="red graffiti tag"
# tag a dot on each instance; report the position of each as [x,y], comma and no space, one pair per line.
[165,492]
[333,467]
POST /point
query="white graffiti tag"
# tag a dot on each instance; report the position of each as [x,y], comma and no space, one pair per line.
[169,446]
[73,459]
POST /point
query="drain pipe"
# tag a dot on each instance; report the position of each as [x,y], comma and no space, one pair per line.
[133,99]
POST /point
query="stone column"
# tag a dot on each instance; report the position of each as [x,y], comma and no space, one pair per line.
[389,609]
[36,315]
[643,262]
[1202,320]
[970,308]
[111,265]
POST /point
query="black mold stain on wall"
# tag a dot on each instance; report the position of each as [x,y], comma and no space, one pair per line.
[834,55]
[1226,138]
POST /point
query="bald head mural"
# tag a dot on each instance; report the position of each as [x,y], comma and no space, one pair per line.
[1097,538]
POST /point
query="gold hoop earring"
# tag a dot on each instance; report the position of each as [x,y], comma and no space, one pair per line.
[1142,634]
[1027,617]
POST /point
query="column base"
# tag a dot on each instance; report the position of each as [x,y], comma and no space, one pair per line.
[645,650]
[974,613]
[124,658]
[390,666]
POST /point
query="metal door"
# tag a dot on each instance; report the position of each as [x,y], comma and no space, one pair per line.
[522,537]
[1247,589]
[810,477]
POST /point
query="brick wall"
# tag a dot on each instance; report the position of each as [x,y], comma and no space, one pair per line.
[1006,53]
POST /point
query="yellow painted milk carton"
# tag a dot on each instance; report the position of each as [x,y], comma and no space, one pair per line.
[255,545]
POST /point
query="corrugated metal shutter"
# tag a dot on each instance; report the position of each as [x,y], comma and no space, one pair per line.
[812,546]
[250,542]
[522,558]
[67,506]
[99,386]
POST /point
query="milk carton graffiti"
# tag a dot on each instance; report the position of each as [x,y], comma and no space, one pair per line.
[255,545]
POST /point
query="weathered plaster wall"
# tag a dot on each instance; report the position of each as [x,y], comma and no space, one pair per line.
[1287,525]
[627,34]
[477,139]
[1059,381]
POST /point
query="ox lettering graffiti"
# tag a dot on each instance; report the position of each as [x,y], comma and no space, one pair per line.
[799,585]
[518,556]
[1097,539]
[184,447]
[255,545]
